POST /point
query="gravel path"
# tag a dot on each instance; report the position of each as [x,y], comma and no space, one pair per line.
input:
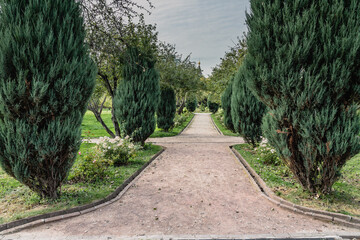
[196,187]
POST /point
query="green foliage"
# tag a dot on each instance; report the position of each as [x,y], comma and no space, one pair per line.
[46,79]
[108,40]
[213,106]
[246,111]
[203,107]
[303,63]
[117,150]
[181,119]
[226,105]
[218,120]
[18,201]
[191,103]
[137,96]
[225,71]
[182,74]
[180,122]
[95,162]
[268,155]
[344,198]
[92,168]
[166,109]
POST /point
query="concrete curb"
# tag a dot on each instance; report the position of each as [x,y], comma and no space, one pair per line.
[76,211]
[267,193]
[216,127]
[286,236]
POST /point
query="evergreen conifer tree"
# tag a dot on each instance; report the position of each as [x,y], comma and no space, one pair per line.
[213,106]
[137,96]
[166,109]
[303,62]
[191,103]
[226,105]
[246,111]
[46,79]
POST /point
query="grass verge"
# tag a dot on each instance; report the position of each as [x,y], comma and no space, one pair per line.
[345,197]
[175,131]
[222,127]
[91,128]
[17,201]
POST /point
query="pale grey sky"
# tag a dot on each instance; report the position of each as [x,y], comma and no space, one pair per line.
[205,28]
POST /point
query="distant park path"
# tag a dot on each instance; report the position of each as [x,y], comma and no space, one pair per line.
[196,187]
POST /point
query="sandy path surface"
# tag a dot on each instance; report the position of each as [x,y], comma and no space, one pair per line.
[195,187]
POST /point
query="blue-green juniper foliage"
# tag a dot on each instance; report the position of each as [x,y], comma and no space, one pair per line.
[226,105]
[46,79]
[137,96]
[246,111]
[303,62]
[191,103]
[213,106]
[166,109]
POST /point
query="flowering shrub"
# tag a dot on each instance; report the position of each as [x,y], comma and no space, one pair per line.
[117,150]
[91,167]
[268,155]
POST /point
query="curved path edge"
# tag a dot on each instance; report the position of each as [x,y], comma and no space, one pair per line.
[76,211]
[267,193]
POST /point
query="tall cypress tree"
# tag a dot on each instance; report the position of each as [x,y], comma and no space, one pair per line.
[304,64]
[137,96]
[226,105]
[246,111]
[166,109]
[191,103]
[213,106]
[46,79]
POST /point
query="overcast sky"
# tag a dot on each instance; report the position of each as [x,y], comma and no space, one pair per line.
[205,28]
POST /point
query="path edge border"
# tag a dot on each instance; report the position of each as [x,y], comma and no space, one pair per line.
[216,127]
[79,210]
[187,126]
[267,193]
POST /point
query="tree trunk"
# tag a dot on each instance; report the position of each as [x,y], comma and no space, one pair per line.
[100,120]
[115,123]
[181,108]
[97,110]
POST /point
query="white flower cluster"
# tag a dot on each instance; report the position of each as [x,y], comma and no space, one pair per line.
[109,143]
[264,147]
[126,144]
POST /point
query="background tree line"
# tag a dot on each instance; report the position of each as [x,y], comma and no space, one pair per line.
[111,27]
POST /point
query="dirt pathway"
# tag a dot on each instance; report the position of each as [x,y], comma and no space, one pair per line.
[196,187]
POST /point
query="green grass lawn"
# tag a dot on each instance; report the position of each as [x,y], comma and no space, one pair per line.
[345,197]
[91,128]
[18,201]
[221,126]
